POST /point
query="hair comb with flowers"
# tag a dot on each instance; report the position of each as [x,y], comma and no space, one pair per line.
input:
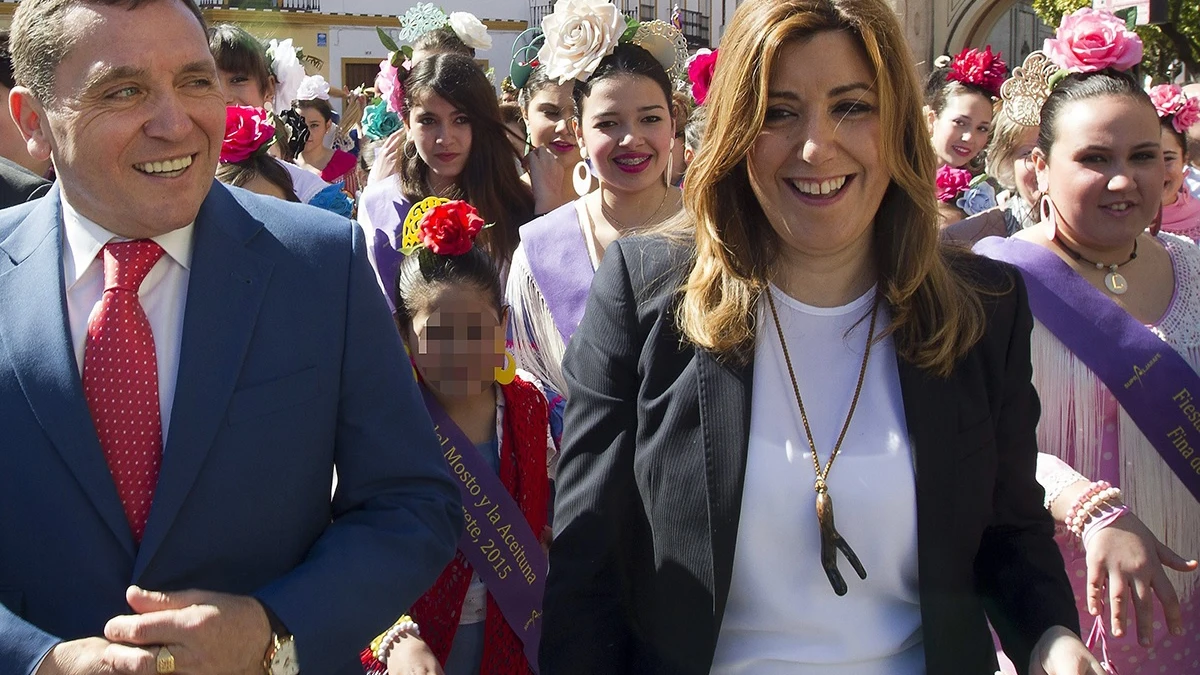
[424,17]
[1086,41]
[578,34]
[441,227]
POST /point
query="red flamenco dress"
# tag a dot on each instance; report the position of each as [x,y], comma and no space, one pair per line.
[523,473]
[342,170]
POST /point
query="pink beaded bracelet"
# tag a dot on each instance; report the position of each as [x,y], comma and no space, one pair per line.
[1090,504]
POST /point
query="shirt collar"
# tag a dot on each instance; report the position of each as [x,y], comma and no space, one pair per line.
[84,239]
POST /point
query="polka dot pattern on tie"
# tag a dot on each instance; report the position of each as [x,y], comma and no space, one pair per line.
[120,379]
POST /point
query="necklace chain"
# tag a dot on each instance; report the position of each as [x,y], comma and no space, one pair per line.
[822,474]
[624,230]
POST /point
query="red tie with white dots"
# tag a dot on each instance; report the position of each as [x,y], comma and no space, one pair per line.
[120,379]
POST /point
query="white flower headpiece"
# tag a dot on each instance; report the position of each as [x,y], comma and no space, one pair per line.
[424,17]
[578,34]
[313,87]
[289,72]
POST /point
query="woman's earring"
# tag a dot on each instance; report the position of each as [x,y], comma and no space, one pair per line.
[407,148]
[582,178]
[506,375]
[1049,216]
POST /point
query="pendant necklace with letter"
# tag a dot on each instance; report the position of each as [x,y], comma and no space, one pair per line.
[831,540]
[1114,281]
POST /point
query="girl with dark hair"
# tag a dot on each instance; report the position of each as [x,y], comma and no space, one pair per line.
[247,80]
[333,165]
[495,424]
[1115,350]
[455,146]
[1177,113]
[548,108]
[624,121]
[959,99]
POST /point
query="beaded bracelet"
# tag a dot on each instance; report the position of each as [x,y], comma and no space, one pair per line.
[403,626]
[1089,505]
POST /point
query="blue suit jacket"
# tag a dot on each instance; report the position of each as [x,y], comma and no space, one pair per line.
[289,366]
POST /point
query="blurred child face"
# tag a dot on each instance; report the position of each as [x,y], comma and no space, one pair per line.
[457,340]
[1023,172]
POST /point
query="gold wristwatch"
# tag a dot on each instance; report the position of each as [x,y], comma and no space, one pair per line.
[280,658]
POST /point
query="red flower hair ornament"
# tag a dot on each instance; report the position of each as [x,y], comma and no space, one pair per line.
[980,68]
[248,132]
[450,229]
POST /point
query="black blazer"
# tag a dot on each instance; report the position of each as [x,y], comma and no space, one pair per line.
[19,185]
[650,483]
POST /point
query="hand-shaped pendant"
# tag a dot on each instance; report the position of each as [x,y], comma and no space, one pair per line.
[831,543]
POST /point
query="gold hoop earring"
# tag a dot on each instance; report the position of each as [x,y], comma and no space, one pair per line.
[505,375]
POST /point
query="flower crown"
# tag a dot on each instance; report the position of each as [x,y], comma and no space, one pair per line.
[248,133]
[700,70]
[424,17]
[441,227]
[1172,104]
[578,34]
[982,69]
[1087,41]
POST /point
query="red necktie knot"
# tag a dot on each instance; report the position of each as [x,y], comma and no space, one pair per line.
[127,263]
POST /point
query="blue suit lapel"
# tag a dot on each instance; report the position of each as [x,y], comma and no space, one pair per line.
[36,333]
[225,290]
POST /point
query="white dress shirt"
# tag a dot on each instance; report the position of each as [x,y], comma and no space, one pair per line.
[163,293]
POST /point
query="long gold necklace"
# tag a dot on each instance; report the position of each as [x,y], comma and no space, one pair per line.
[831,540]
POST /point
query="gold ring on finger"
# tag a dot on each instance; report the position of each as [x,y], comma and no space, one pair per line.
[164,663]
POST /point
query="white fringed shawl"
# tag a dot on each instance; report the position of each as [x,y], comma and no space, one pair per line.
[1072,422]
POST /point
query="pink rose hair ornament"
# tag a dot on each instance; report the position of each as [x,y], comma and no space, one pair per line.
[248,133]
[1173,105]
[1087,41]
[982,69]
[700,70]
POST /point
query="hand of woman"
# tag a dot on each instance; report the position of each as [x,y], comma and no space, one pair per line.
[1061,652]
[1125,558]
[388,158]
[546,174]
[411,656]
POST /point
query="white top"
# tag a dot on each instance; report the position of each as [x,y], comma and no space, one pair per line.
[782,615]
[305,184]
[1191,178]
[163,293]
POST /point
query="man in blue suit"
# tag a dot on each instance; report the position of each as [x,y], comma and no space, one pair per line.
[182,368]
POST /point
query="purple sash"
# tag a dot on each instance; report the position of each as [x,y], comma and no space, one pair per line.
[1150,380]
[558,259]
[386,209]
[496,538]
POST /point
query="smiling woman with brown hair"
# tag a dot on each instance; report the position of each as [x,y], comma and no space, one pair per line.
[800,337]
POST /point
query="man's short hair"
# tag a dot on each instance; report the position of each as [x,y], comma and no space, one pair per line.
[6,71]
[39,41]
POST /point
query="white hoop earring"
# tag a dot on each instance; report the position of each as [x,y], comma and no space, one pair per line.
[581,179]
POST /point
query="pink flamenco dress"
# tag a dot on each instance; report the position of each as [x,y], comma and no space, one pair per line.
[1183,217]
[1084,432]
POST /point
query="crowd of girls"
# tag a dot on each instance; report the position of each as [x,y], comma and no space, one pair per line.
[643,317]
